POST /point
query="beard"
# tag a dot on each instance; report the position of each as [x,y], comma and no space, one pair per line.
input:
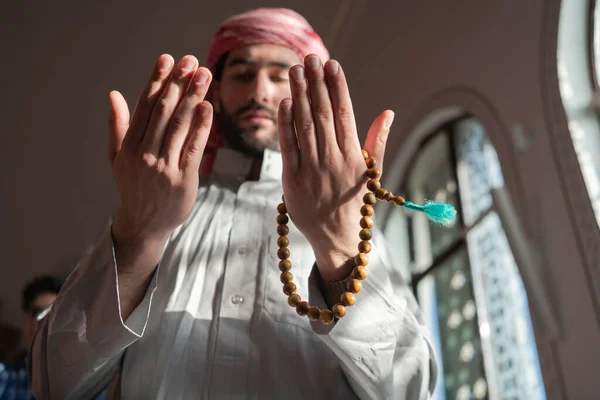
[246,140]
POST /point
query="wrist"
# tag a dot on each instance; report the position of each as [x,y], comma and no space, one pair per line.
[135,252]
[335,264]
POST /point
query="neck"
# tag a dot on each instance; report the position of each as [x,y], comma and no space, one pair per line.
[257,162]
[255,170]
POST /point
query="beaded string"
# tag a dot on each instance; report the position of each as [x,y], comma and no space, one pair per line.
[437,212]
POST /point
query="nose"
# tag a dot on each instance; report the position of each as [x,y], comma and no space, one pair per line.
[263,88]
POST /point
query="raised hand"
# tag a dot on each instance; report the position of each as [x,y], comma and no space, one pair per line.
[323,168]
[155,158]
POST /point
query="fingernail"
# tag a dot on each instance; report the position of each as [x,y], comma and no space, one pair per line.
[312,61]
[201,76]
[287,104]
[165,63]
[387,122]
[297,73]
[331,68]
[187,63]
[204,109]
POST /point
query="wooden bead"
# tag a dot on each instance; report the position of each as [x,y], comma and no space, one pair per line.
[285,265]
[302,308]
[373,173]
[286,276]
[369,199]
[282,219]
[360,272]
[338,310]
[283,241]
[283,230]
[284,253]
[326,317]
[399,200]
[289,288]
[348,299]
[365,234]
[366,222]
[371,162]
[380,193]
[364,246]
[365,154]
[354,286]
[294,299]
[361,259]
[313,313]
[373,185]
[388,196]
[366,211]
[281,208]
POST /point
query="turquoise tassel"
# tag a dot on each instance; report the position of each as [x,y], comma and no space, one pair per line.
[439,213]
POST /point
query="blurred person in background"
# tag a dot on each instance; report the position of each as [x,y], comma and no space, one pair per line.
[36,298]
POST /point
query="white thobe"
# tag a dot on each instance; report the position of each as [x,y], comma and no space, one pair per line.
[214,322]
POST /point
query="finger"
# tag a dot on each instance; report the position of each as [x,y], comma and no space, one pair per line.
[303,120]
[182,120]
[290,152]
[321,107]
[192,150]
[378,135]
[343,114]
[143,109]
[118,123]
[167,103]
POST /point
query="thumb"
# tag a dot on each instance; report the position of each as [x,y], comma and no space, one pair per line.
[377,136]
[118,123]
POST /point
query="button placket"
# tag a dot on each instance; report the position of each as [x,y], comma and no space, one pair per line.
[239,277]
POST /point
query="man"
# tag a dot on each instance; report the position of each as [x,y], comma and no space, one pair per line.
[181,298]
[36,297]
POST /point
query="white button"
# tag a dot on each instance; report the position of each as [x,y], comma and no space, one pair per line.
[237,299]
[242,251]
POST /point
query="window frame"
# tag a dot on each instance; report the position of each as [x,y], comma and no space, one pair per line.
[447,128]
[460,243]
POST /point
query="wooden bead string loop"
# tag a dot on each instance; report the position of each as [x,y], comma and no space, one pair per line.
[360,273]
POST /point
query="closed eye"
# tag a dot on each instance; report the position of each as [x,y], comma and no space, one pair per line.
[244,77]
[279,78]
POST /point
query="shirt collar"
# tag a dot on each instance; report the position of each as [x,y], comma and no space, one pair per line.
[232,166]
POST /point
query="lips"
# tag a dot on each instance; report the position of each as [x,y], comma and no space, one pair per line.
[257,115]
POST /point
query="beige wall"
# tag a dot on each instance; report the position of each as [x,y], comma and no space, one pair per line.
[494,59]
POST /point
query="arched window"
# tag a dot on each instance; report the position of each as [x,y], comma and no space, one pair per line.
[465,276]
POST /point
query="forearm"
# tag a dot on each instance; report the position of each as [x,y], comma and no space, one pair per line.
[136,261]
[335,252]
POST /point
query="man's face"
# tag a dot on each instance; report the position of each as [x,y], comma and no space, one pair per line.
[253,83]
[39,304]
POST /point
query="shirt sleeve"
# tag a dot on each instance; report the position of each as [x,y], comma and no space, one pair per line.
[79,345]
[382,344]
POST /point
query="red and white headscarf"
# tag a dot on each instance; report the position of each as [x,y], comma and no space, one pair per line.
[278,26]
